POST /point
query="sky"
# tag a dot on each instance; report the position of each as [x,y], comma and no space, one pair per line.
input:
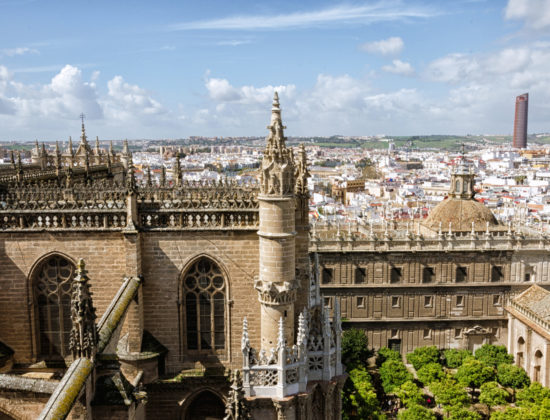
[173,69]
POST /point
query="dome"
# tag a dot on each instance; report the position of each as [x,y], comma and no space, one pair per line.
[461,213]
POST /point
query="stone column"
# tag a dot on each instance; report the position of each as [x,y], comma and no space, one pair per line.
[276,284]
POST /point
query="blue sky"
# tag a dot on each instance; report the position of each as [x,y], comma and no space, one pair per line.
[170,69]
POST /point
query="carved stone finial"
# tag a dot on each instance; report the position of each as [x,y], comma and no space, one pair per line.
[235,407]
[83,337]
[281,335]
[277,168]
[19,166]
[163,176]
[12,159]
[70,147]
[301,174]
[131,185]
[176,175]
[149,178]
[97,146]
[302,329]
[111,149]
[125,150]
[83,138]
[245,341]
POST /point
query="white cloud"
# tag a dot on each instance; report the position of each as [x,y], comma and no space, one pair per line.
[344,14]
[399,67]
[10,52]
[234,42]
[220,90]
[391,46]
[129,102]
[535,13]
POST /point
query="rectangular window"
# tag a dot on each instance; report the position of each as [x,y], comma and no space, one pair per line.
[395,302]
[328,274]
[428,301]
[460,300]
[496,273]
[458,332]
[360,275]
[394,333]
[395,275]
[360,300]
[327,302]
[428,275]
[427,334]
[527,277]
[496,300]
[461,274]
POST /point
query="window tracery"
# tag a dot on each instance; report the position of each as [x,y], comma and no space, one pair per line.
[204,293]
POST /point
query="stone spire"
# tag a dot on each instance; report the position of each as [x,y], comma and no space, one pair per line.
[97,151]
[83,138]
[162,176]
[19,167]
[277,169]
[301,174]
[70,147]
[111,149]
[235,408]
[126,157]
[149,178]
[12,159]
[83,337]
[176,172]
[57,158]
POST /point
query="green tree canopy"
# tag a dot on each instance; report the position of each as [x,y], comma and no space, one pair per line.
[512,376]
[461,413]
[386,354]
[430,372]
[473,373]
[393,374]
[493,355]
[449,393]
[423,355]
[359,400]
[355,351]
[491,395]
[416,412]
[534,394]
[513,413]
[454,358]
[409,394]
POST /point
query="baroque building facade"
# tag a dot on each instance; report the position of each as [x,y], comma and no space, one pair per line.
[132,300]
[442,281]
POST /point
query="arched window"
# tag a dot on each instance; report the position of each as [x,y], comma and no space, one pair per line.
[52,293]
[205,406]
[204,307]
[457,186]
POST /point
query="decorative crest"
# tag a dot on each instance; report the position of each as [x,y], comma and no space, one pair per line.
[83,337]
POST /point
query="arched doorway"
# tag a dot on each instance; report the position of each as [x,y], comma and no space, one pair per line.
[205,406]
[520,351]
[537,363]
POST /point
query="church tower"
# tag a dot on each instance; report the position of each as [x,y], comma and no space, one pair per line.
[276,284]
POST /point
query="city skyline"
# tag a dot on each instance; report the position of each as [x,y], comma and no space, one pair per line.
[350,68]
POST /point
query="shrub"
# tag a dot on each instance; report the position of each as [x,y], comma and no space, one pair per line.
[534,394]
[460,413]
[493,355]
[454,358]
[393,374]
[386,354]
[423,355]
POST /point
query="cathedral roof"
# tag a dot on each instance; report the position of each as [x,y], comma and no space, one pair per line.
[461,213]
[537,300]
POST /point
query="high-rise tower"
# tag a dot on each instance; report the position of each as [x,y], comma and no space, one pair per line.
[520,121]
